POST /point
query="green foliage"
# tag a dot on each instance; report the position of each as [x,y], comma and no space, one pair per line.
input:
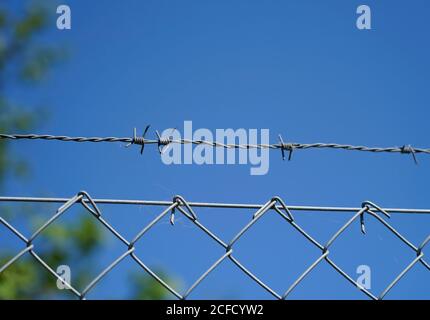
[17,44]
[2,19]
[147,288]
[23,62]
[12,119]
[68,243]
[35,20]
[20,61]
[39,62]
[17,282]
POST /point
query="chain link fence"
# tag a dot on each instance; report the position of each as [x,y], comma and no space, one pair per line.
[179,205]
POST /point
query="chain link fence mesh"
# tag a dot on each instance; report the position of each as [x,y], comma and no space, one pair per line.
[182,207]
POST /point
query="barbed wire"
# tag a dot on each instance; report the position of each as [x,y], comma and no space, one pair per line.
[179,204]
[162,142]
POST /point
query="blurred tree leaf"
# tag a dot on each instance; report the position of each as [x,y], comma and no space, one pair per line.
[146,287]
[3,19]
[34,21]
[16,282]
[21,62]
[87,235]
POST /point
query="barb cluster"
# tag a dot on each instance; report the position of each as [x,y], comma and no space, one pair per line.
[180,205]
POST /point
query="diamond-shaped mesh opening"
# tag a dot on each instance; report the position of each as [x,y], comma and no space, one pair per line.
[24,217]
[79,241]
[21,276]
[173,249]
[275,252]
[271,249]
[321,226]
[379,249]
[413,285]
[127,277]
[132,282]
[120,217]
[323,283]
[227,281]
[224,222]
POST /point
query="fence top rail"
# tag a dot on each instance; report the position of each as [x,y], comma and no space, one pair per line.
[333,209]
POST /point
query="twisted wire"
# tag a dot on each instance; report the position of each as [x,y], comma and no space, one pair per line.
[63,138]
[164,141]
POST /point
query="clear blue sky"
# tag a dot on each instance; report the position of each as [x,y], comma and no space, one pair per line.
[299,68]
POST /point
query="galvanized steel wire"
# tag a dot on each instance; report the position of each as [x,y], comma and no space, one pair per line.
[181,206]
[164,141]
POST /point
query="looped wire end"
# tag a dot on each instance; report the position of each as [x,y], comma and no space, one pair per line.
[286,146]
[367,205]
[408,149]
[363,227]
[91,207]
[172,217]
[182,202]
[284,207]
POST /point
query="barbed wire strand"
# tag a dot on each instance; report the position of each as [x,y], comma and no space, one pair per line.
[165,141]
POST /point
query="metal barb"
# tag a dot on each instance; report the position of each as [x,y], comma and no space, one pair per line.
[408,149]
[286,146]
[139,140]
[163,142]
